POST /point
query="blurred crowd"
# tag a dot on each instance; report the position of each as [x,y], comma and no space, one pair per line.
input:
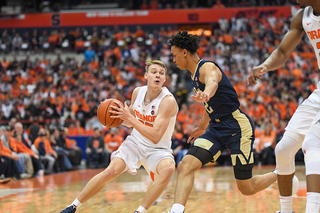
[184,4]
[46,6]
[60,97]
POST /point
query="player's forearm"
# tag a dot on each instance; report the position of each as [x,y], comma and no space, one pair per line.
[211,87]
[204,121]
[147,131]
[127,124]
[275,60]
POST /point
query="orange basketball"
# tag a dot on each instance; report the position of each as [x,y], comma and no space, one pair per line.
[104,114]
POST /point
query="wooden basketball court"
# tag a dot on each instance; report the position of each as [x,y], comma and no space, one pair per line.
[214,191]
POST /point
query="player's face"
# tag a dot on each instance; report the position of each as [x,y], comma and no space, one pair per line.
[156,74]
[178,57]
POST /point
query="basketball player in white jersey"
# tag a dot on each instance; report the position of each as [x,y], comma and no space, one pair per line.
[152,114]
[303,129]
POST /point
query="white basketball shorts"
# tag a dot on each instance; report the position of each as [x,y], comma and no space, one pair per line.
[136,155]
[306,113]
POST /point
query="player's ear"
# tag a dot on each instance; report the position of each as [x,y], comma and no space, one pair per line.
[145,75]
[184,52]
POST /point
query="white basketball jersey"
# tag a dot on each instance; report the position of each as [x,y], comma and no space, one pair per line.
[311,25]
[147,115]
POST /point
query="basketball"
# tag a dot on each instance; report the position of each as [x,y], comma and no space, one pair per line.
[104,114]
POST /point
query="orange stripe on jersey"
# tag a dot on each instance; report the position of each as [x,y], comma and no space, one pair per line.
[318,45]
[152,175]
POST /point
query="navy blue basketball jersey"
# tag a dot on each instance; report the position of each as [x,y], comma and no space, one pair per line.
[224,102]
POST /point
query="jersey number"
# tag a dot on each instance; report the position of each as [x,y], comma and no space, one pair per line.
[146,123]
[208,108]
[205,104]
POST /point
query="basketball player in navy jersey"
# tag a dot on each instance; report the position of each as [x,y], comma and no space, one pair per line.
[229,128]
[303,129]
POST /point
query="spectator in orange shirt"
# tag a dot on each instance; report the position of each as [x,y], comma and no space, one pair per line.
[93,65]
[75,129]
[75,153]
[96,150]
[183,114]
[36,167]
[112,140]
[8,158]
[8,142]
[36,162]
[267,144]
[43,148]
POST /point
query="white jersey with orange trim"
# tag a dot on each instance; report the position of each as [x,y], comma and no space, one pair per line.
[311,25]
[147,114]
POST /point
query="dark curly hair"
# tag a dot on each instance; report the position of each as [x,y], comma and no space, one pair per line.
[187,41]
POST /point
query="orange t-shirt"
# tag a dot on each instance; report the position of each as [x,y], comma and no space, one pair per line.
[113,142]
[21,147]
[47,144]
[70,143]
[4,151]
[265,140]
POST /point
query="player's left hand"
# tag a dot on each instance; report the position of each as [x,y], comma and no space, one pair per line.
[201,97]
[197,132]
[121,112]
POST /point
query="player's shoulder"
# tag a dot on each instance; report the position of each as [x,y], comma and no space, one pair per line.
[136,91]
[296,21]
[169,102]
[208,65]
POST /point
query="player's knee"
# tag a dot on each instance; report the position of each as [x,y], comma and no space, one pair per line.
[289,145]
[280,150]
[311,152]
[110,172]
[246,190]
[186,167]
[165,174]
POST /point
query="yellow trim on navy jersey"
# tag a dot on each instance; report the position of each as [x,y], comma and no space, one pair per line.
[216,156]
[246,133]
[203,143]
[192,77]
[251,158]
[234,159]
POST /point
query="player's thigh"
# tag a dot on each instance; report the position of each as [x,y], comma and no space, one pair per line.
[130,153]
[206,148]
[157,160]
[304,115]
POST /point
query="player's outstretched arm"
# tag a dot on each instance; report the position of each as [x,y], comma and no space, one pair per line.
[210,75]
[280,55]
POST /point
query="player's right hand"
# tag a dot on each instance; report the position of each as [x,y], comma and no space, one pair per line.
[197,132]
[256,73]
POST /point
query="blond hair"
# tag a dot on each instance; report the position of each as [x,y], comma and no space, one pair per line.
[149,62]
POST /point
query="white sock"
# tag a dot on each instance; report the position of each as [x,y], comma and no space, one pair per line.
[141,209]
[76,202]
[177,208]
[275,171]
[286,204]
[313,202]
